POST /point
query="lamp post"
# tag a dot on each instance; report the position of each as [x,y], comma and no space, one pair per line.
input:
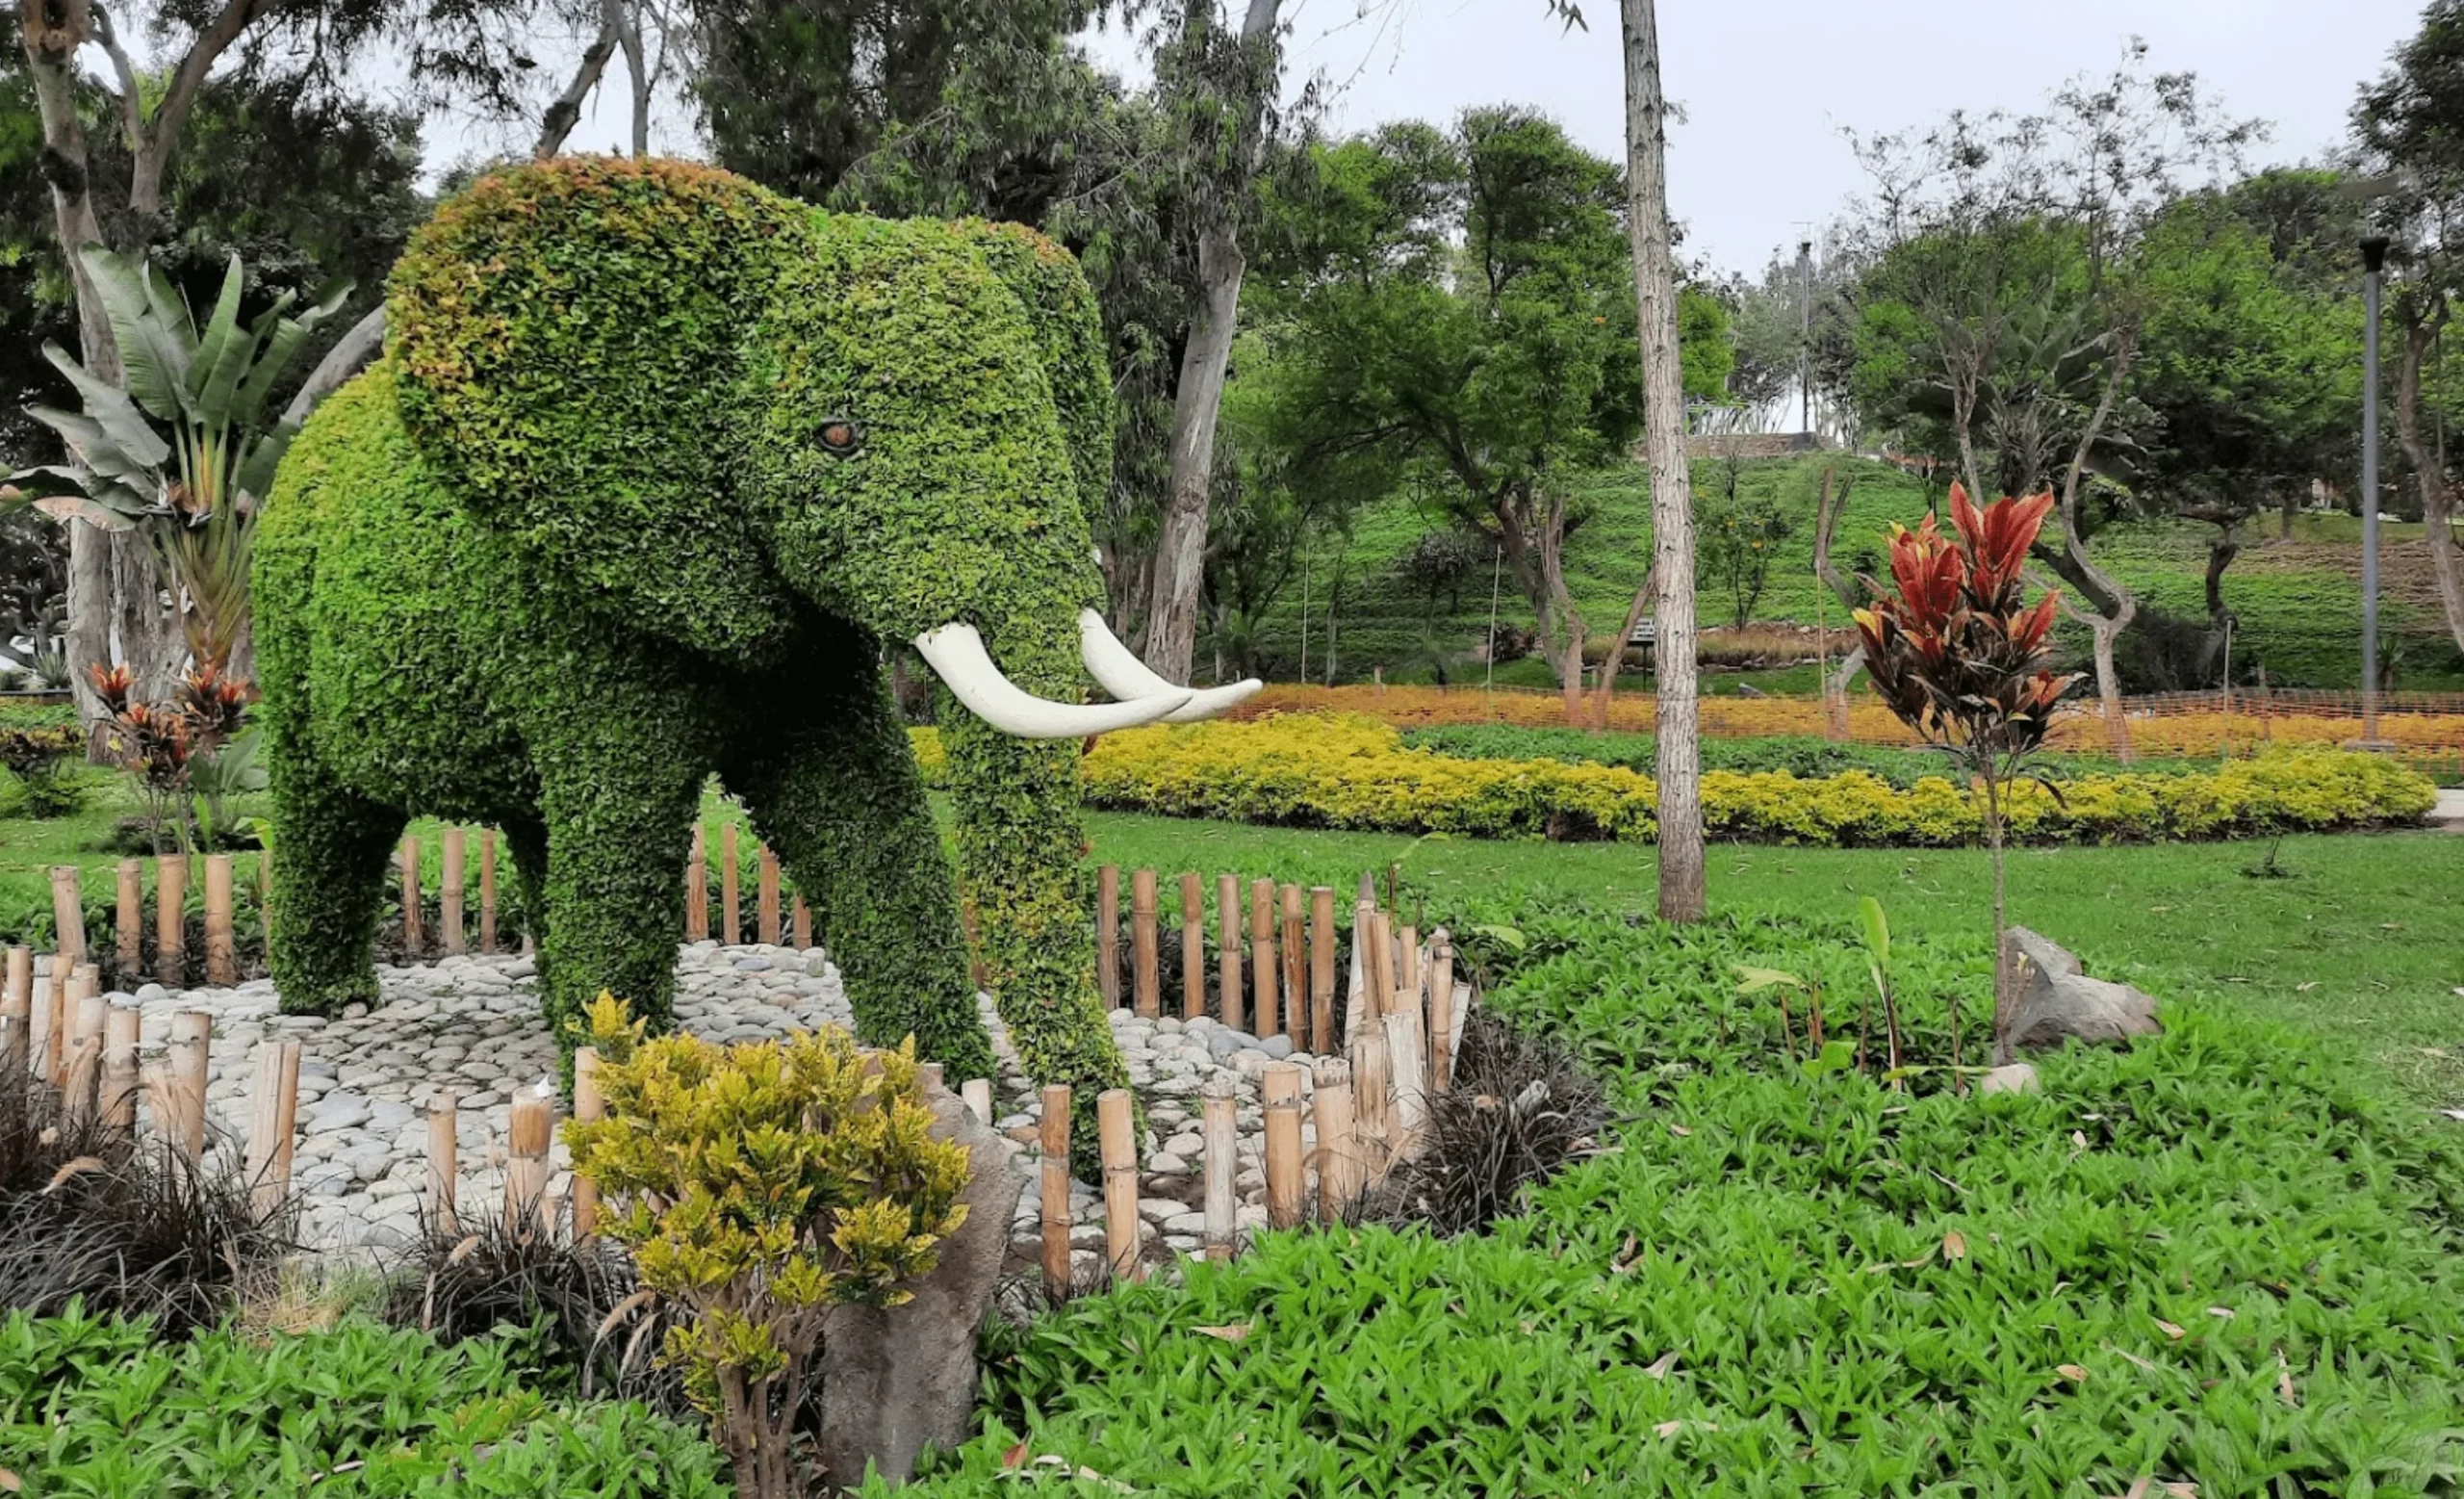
[2373,259]
[1805,334]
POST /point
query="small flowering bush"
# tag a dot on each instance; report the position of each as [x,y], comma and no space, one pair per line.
[1348,771]
[161,745]
[758,1185]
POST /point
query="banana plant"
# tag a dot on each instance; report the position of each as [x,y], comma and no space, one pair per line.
[182,448]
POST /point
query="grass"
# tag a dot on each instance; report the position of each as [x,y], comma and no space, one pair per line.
[2355,946]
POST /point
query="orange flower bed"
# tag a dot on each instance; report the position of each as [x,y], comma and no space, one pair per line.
[2158,728]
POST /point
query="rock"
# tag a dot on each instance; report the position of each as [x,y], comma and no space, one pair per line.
[905,1377]
[1277,1048]
[2018,1077]
[2055,999]
[1749,689]
[338,1111]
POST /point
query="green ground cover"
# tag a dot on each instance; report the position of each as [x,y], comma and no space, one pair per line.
[2354,944]
[2223,1257]
[1797,755]
[2299,610]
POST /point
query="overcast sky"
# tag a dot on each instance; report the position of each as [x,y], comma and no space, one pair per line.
[1767,87]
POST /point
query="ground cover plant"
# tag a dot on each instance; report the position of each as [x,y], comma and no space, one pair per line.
[1349,771]
[96,1405]
[2219,1257]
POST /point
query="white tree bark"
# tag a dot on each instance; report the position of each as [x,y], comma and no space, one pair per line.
[1679,749]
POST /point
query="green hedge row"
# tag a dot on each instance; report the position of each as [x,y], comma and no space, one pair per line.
[1804,756]
[1351,771]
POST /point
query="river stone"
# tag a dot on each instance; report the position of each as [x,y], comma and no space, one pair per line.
[2056,999]
[899,1380]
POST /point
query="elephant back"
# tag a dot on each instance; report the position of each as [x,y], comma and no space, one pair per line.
[567,338]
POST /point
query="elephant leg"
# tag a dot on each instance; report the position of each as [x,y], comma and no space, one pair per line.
[840,800]
[619,808]
[333,848]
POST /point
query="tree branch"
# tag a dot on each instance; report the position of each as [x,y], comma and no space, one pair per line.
[344,360]
[558,122]
[154,149]
[131,104]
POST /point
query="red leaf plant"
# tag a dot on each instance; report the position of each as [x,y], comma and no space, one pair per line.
[1960,656]
[159,744]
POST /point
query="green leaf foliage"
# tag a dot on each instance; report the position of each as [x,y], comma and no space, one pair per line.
[2217,1256]
[576,545]
[97,1406]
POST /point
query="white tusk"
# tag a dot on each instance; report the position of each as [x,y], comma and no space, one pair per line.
[1120,671]
[956,653]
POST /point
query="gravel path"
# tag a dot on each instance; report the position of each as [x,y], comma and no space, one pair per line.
[471,1026]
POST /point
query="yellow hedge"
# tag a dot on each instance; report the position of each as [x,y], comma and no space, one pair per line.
[1347,770]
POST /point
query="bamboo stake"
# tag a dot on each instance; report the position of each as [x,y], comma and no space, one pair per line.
[804,925]
[766,901]
[221,954]
[170,920]
[978,1092]
[1147,979]
[119,1066]
[697,889]
[85,1065]
[1338,1143]
[1220,1115]
[1295,967]
[1407,953]
[1280,1089]
[274,1123]
[449,896]
[16,1015]
[1055,1227]
[588,1108]
[1227,904]
[488,890]
[1441,1012]
[1322,970]
[1262,955]
[527,1168]
[444,1163]
[1407,1076]
[191,1050]
[128,922]
[414,923]
[1119,1148]
[83,983]
[730,888]
[1193,947]
[44,1023]
[1356,1006]
[1108,935]
[69,912]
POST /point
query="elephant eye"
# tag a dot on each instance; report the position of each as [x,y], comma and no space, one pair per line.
[841,436]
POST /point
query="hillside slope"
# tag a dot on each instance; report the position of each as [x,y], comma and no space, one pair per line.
[2298,603]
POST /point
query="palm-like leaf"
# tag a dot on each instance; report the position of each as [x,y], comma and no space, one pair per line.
[224,351]
[112,413]
[153,356]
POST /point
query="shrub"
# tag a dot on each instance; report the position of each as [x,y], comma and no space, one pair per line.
[96,1405]
[1519,1112]
[2216,1258]
[761,1185]
[44,762]
[1348,771]
[89,1213]
[1804,755]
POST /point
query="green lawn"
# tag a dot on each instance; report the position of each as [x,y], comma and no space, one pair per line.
[2359,943]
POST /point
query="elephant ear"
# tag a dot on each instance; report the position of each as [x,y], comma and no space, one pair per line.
[1069,328]
[568,335]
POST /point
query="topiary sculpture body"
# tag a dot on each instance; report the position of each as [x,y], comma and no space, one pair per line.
[653,466]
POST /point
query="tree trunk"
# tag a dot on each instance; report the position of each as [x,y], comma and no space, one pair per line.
[1180,544]
[2221,554]
[1679,752]
[1616,658]
[1829,511]
[2114,606]
[2438,501]
[1180,547]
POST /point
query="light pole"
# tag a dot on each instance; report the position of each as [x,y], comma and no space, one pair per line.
[1805,334]
[2373,259]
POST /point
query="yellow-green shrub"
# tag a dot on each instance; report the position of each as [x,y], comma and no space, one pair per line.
[1347,770]
[758,1185]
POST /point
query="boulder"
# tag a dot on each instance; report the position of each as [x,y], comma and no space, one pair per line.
[896,1380]
[2053,999]
[2018,1077]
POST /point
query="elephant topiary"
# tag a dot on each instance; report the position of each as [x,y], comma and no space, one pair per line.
[654,463]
